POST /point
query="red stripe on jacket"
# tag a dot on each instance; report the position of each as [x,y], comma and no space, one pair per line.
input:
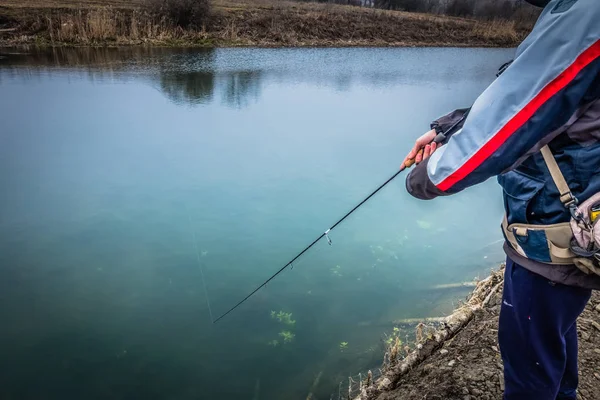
[489,148]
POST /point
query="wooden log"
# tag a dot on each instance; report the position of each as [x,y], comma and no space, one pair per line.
[454,323]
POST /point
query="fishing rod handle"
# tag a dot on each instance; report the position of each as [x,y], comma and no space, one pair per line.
[440,138]
[411,162]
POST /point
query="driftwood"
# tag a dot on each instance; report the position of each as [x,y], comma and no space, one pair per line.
[416,321]
[480,297]
[454,285]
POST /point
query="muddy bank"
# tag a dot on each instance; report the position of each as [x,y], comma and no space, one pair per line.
[250,23]
[468,366]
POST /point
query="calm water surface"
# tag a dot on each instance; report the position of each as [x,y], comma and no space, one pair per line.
[126,174]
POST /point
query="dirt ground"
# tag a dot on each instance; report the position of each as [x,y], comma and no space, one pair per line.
[469,367]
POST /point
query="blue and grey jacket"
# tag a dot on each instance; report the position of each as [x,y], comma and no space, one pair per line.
[550,94]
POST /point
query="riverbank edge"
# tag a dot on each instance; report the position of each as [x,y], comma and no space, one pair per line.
[267,25]
[461,359]
[40,43]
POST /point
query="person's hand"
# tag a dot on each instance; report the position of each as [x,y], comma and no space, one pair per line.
[424,147]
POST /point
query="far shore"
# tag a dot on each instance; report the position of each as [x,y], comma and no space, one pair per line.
[251,23]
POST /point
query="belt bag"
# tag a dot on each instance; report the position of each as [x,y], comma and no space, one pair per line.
[576,242]
[544,243]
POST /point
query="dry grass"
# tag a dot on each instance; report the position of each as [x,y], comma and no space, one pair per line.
[97,26]
[498,30]
[245,23]
[70,4]
[103,25]
[328,24]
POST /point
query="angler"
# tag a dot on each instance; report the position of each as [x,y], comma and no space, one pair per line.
[537,128]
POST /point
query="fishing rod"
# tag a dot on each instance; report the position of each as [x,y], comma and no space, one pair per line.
[440,138]
[323,235]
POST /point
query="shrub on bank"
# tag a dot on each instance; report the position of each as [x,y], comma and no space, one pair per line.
[182,13]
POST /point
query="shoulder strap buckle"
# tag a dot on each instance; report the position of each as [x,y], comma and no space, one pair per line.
[566,196]
[569,200]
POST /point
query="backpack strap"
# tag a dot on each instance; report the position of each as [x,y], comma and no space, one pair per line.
[566,196]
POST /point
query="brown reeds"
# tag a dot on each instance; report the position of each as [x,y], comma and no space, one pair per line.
[105,25]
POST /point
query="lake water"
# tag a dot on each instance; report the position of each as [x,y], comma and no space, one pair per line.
[130,175]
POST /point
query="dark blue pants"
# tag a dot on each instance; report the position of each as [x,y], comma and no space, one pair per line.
[538,336]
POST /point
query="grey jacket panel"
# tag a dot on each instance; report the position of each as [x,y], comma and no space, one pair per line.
[585,130]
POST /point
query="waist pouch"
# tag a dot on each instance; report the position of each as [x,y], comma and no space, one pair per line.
[549,244]
[570,243]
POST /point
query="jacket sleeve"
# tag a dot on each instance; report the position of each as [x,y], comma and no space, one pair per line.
[445,122]
[555,69]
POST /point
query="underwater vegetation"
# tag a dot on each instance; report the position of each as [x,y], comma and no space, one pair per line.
[392,338]
[402,239]
[287,336]
[336,271]
[424,224]
[389,253]
[394,345]
[284,318]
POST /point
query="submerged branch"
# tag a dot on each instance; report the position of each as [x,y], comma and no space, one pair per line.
[454,285]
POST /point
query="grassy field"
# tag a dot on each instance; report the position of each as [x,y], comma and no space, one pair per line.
[268,23]
[70,4]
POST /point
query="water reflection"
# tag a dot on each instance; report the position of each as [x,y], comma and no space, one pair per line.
[235,77]
[241,87]
[184,76]
[191,87]
[236,89]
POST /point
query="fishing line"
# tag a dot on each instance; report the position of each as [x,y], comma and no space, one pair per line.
[316,251]
[200,265]
[323,235]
